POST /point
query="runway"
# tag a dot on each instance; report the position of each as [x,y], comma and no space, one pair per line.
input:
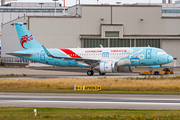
[89,101]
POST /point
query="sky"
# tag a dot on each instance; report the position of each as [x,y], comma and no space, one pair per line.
[73,2]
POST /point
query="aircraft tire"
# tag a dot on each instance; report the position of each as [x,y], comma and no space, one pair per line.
[90,72]
[101,73]
[156,73]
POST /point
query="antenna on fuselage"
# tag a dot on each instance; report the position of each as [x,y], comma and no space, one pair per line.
[101,46]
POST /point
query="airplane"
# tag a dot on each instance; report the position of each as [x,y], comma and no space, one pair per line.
[104,60]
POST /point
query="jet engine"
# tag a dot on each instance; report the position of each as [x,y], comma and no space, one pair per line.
[107,67]
[126,68]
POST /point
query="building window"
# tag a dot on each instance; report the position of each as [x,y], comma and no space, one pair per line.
[34,10]
[90,43]
[146,42]
[171,11]
[13,60]
[111,33]
[132,42]
[119,42]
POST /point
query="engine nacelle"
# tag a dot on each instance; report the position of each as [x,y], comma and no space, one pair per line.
[126,69]
[108,67]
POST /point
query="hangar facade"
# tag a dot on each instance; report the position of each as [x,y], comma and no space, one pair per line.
[91,25]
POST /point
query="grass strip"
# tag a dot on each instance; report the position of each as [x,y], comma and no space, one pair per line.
[17,113]
[108,85]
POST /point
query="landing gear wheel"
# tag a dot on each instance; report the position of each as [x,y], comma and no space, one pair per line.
[90,72]
[101,73]
[156,73]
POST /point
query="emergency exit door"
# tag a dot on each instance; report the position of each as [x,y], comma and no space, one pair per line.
[42,55]
[148,53]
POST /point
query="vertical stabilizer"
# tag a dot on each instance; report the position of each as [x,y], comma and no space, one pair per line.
[26,39]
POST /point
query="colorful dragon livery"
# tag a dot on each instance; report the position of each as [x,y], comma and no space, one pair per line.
[24,39]
[103,60]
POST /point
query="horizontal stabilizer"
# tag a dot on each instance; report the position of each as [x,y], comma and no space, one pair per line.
[20,54]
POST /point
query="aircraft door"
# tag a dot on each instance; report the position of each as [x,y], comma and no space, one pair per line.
[148,53]
[42,56]
[105,55]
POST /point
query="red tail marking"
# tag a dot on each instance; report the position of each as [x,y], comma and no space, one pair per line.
[24,39]
[70,53]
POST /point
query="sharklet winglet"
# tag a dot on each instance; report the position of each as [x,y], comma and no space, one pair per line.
[47,52]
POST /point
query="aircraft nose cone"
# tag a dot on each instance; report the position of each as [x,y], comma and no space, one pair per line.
[170,58]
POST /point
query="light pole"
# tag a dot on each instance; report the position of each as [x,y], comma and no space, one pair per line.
[64,3]
[64,7]
[41,7]
[55,6]
[76,7]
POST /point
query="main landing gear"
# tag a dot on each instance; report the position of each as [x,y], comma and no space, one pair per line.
[90,72]
[101,73]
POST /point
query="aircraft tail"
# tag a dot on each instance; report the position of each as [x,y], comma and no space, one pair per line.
[26,39]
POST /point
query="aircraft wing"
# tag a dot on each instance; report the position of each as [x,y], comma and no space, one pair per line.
[69,58]
[20,54]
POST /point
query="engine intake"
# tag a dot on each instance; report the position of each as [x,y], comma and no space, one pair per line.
[108,67]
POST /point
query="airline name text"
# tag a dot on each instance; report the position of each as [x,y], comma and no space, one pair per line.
[118,50]
[93,51]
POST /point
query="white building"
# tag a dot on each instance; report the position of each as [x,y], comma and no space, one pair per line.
[15,10]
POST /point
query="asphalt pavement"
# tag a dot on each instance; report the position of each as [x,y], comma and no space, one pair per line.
[89,101]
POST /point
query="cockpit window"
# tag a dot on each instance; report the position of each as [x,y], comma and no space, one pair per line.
[161,53]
